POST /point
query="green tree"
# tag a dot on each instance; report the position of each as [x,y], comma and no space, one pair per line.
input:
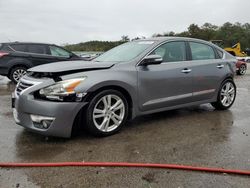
[125,38]
[230,33]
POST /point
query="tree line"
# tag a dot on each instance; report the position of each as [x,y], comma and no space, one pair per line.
[97,46]
[229,33]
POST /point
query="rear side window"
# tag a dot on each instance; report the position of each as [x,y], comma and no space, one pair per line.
[56,51]
[19,47]
[171,51]
[37,49]
[201,51]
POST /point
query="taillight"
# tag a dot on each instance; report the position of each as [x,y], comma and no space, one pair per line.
[3,54]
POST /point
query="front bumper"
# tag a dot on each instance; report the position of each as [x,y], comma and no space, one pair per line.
[63,112]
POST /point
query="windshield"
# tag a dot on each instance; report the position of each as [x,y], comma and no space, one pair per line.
[125,52]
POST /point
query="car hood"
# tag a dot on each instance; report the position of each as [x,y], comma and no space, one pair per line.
[71,66]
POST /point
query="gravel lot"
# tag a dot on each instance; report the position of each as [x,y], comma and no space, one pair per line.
[197,136]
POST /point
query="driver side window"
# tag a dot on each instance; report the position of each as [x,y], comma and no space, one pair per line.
[171,51]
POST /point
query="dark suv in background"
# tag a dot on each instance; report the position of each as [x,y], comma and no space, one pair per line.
[17,57]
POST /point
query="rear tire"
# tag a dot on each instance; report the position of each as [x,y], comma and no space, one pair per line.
[17,73]
[226,95]
[107,113]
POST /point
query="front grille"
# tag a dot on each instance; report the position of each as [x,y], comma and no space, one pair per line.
[22,85]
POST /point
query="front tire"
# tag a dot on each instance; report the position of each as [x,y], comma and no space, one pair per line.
[17,73]
[106,113]
[226,95]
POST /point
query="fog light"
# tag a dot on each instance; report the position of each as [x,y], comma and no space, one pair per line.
[46,123]
[41,122]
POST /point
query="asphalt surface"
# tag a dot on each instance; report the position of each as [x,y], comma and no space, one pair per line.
[198,136]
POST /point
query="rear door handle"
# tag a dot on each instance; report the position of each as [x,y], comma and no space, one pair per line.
[186,70]
[220,66]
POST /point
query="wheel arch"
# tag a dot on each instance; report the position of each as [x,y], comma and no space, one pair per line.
[227,77]
[121,89]
[18,63]
[217,103]
[79,118]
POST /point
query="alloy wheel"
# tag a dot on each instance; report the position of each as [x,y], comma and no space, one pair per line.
[18,73]
[227,94]
[108,113]
[242,69]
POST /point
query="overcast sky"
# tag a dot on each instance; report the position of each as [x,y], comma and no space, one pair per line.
[74,21]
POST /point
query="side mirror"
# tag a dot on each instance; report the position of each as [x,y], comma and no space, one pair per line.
[152,60]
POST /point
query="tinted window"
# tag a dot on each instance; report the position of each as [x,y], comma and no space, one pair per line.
[6,47]
[37,49]
[171,51]
[56,51]
[201,51]
[19,47]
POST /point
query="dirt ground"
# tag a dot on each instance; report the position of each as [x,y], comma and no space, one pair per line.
[198,136]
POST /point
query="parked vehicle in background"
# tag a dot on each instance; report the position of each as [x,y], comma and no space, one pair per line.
[135,78]
[17,57]
[245,59]
[235,50]
[241,67]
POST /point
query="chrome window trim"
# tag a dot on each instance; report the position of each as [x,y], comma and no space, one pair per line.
[171,40]
[162,43]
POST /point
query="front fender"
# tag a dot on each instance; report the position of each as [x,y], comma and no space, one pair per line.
[96,80]
[130,89]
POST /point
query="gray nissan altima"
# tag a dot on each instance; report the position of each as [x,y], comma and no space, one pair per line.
[135,78]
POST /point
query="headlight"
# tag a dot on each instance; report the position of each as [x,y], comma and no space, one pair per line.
[63,90]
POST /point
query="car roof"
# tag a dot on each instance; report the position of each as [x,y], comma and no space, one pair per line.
[26,43]
[161,39]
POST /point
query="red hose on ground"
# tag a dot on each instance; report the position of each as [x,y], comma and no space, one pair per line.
[123,164]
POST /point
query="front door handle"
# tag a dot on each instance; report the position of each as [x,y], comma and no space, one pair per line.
[186,70]
[220,66]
